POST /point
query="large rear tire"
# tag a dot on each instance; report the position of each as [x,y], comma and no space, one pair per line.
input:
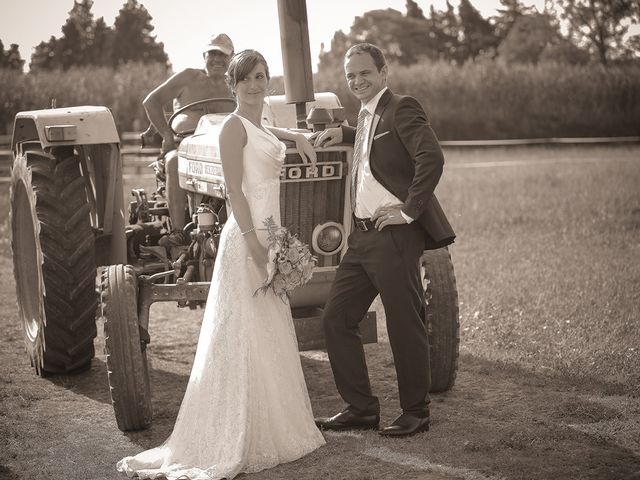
[443,323]
[53,260]
[126,352]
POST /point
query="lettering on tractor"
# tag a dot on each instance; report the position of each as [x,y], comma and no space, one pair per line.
[302,172]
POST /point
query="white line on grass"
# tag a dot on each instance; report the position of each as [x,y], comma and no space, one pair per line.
[343,433]
[526,163]
[389,456]
[317,355]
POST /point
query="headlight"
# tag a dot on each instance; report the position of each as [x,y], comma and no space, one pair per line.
[328,238]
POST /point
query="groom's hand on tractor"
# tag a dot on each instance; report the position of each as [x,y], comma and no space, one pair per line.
[327,138]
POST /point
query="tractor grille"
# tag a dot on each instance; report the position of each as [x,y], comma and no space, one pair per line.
[310,199]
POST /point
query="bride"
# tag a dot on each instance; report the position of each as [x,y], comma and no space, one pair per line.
[246,407]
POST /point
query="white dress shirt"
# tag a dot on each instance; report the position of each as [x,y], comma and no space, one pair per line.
[370,194]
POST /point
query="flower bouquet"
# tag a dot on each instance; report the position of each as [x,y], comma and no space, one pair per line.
[290,263]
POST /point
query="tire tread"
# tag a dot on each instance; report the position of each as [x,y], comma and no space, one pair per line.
[69,326]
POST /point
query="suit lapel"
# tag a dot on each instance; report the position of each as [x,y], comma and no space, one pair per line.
[382,104]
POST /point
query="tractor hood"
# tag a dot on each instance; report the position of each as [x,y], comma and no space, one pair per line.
[203,144]
[199,165]
[86,125]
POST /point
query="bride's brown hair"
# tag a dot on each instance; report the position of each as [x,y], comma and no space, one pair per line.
[241,65]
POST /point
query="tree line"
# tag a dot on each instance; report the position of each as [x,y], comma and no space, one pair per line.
[594,30]
[86,41]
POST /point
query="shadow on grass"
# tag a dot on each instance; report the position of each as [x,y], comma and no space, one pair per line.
[503,419]
[7,474]
[577,380]
[498,419]
[92,383]
[167,389]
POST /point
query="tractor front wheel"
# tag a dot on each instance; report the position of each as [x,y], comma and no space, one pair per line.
[126,351]
[53,259]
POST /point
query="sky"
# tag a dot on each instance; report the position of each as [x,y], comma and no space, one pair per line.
[184,26]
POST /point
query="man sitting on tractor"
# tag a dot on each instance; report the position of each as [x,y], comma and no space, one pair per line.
[185,87]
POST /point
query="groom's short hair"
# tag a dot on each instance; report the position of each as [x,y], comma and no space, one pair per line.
[377,55]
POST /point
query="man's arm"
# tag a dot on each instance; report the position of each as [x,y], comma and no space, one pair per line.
[333,136]
[348,134]
[420,140]
[160,96]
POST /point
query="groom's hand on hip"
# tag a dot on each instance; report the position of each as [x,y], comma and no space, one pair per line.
[389,215]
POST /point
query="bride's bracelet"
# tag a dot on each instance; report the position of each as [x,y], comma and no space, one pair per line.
[248,231]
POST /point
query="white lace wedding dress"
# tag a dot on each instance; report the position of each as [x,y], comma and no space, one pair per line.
[246,407]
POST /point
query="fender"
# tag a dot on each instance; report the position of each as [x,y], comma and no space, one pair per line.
[85,125]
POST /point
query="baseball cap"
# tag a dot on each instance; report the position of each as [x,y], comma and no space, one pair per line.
[220,42]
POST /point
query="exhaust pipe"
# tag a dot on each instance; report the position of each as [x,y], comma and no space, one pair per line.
[296,56]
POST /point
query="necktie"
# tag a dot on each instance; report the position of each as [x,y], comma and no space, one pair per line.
[357,152]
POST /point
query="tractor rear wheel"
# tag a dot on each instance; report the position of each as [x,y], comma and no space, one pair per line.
[53,260]
[443,323]
[126,352]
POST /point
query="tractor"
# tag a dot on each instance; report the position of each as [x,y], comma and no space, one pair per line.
[80,257]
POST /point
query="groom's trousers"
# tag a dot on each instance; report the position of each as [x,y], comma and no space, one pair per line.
[385,262]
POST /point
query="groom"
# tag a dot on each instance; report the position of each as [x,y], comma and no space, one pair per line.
[397,163]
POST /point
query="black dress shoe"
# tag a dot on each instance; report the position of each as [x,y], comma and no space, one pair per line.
[406,425]
[347,420]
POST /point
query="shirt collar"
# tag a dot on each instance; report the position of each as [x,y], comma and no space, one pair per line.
[372,104]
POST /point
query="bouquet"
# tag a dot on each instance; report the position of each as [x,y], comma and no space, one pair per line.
[290,263]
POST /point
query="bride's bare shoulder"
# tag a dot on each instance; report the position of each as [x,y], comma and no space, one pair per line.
[233,130]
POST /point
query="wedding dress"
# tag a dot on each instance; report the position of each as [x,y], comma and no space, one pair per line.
[246,406]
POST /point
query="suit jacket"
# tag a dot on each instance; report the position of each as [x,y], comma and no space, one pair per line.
[407,160]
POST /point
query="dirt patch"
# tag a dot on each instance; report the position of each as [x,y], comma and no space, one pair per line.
[498,422]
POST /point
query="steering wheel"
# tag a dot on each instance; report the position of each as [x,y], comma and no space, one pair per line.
[180,122]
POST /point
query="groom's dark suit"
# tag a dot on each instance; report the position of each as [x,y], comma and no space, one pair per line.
[406,159]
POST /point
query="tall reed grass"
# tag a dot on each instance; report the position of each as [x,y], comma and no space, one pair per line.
[122,90]
[484,100]
[489,100]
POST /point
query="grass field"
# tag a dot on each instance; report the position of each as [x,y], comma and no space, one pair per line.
[547,256]
[548,276]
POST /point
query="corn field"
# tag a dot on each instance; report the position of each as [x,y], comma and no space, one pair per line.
[483,100]
[122,90]
[489,100]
